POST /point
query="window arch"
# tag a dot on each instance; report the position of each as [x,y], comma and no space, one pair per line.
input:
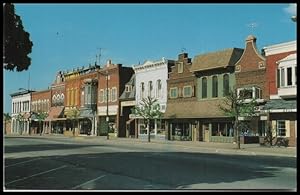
[158,87]
[204,87]
[142,90]
[214,86]
[225,84]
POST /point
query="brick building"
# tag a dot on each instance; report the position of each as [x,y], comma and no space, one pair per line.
[281,109]
[251,79]
[181,86]
[111,83]
[80,116]
[40,103]
[56,113]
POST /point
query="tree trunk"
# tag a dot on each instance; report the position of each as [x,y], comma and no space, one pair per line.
[237,134]
[148,127]
[73,127]
[40,128]
[5,127]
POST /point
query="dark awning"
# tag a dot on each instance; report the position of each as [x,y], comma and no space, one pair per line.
[54,113]
[86,113]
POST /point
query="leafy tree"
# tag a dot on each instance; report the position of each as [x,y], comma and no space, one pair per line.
[17,44]
[41,116]
[75,113]
[149,109]
[20,118]
[235,106]
[7,117]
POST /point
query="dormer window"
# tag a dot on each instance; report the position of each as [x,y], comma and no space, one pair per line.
[180,67]
[128,88]
[250,93]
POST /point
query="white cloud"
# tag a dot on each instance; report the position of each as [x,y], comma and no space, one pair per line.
[291,9]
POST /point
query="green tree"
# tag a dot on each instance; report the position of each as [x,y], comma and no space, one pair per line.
[41,116]
[75,113]
[17,44]
[7,118]
[20,118]
[149,109]
[235,106]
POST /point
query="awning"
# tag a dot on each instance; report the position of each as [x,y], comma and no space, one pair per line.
[129,121]
[87,113]
[55,113]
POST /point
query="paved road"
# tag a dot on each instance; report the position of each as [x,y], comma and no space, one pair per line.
[39,163]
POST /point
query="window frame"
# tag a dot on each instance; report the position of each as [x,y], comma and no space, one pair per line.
[183,89]
[176,90]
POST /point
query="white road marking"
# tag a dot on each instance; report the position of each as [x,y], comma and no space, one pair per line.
[88,182]
[37,174]
[22,162]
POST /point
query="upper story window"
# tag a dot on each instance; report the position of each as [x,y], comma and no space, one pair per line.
[250,93]
[173,92]
[204,87]
[226,84]
[158,87]
[180,67]
[150,87]
[128,88]
[214,86]
[142,90]
[101,96]
[114,94]
[187,91]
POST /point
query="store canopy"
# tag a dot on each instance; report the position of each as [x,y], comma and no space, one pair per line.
[55,113]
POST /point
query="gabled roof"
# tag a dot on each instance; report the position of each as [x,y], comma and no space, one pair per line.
[218,59]
[129,95]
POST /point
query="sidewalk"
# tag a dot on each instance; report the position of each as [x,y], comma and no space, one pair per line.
[192,146]
[225,148]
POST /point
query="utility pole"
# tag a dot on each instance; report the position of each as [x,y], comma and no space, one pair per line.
[100,49]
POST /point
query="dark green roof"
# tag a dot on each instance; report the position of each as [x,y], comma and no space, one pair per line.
[280,104]
[129,95]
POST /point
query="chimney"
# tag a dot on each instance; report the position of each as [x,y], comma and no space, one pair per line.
[182,56]
[108,63]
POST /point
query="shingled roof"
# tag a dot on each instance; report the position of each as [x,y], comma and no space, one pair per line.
[194,109]
[129,95]
[218,59]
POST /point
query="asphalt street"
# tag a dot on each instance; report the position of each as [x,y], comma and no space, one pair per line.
[39,163]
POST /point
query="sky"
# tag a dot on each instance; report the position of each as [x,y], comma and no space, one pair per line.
[67,36]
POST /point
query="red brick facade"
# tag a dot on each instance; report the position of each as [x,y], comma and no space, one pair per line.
[272,71]
[41,100]
[250,69]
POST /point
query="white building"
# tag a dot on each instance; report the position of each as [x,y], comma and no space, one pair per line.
[21,102]
[151,80]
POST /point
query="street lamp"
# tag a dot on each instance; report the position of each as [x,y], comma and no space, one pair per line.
[107,117]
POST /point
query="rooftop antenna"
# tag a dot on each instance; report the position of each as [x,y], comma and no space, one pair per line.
[100,49]
[252,25]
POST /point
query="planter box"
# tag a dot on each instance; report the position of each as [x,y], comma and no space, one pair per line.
[249,139]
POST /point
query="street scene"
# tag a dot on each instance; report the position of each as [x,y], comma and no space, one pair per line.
[59,163]
[163,97]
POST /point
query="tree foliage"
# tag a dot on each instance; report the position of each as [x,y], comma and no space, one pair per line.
[7,118]
[148,109]
[74,115]
[17,44]
[235,105]
[40,116]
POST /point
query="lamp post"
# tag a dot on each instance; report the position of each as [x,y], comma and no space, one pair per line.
[107,117]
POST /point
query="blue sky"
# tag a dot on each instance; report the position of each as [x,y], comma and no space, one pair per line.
[67,36]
